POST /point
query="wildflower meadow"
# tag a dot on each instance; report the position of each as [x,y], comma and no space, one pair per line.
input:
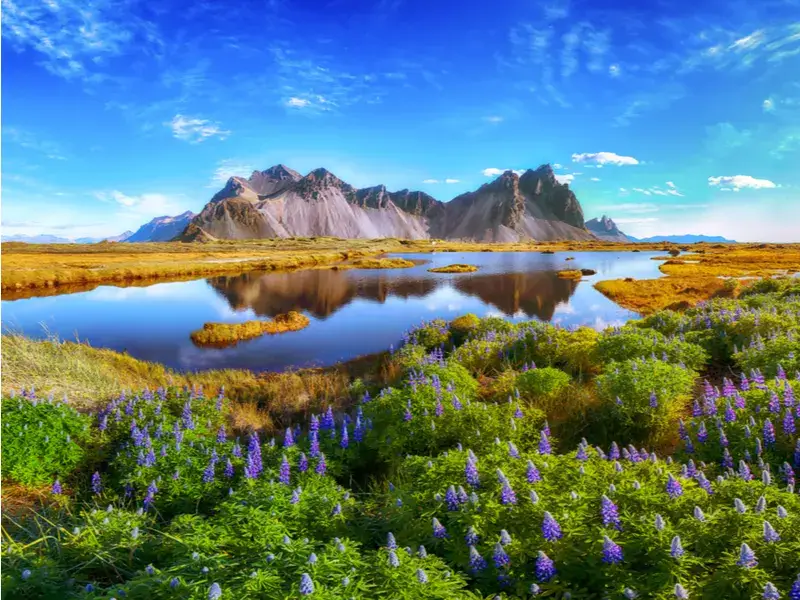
[656,460]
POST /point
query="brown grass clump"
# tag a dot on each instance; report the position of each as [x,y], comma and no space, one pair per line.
[646,296]
[456,268]
[222,335]
[570,274]
[379,263]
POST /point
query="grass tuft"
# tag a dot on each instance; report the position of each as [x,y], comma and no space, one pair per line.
[456,268]
[223,335]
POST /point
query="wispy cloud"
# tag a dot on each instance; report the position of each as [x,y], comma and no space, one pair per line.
[604,158]
[448,180]
[736,183]
[635,220]
[195,130]
[633,208]
[229,168]
[144,206]
[492,172]
[656,190]
[30,141]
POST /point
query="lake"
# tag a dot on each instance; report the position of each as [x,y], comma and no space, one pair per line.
[352,312]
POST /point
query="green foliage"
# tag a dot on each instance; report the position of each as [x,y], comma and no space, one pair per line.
[643,397]
[41,440]
[768,354]
[629,343]
[464,326]
[540,386]
[431,335]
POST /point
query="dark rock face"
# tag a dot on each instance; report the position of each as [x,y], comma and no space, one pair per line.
[284,204]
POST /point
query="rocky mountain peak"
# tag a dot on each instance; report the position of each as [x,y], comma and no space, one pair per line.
[279,172]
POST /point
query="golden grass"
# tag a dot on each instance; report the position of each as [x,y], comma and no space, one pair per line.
[646,296]
[222,335]
[377,263]
[456,268]
[36,269]
[90,376]
[570,274]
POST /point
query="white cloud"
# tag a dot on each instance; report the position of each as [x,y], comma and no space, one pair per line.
[452,180]
[430,181]
[631,207]
[565,178]
[748,42]
[30,141]
[492,172]
[670,184]
[768,105]
[448,180]
[594,179]
[494,119]
[614,70]
[229,168]
[604,158]
[630,220]
[738,182]
[557,166]
[298,102]
[144,205]
[195,130]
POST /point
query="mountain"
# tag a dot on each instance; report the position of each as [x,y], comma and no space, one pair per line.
[605,229]
[279,202]
[686,239]
[160,229]
[122,237]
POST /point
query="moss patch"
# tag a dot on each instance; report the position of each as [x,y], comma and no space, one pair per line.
[570,274]
[222,335]
[457,268]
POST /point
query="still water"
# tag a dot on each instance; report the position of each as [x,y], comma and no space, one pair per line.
[352,312]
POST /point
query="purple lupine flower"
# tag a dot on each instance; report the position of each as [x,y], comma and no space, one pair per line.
[680,592]
[463,497]
[228,470]
[653,400]
[770,535]
[407,416]
[451,498]
[788,423]
[730,414]
[422,577]
[703,482]
[476,561]
[56,489]
[788,395]
[394,561]
[744,384]
[302,463]
[314,443]
[306,585]
[214,592]
[457,403]
[518,413]
[358,430]
[744,471]
[747,558]
[284,474]
[512,450]
[345,441]
[551,530]
[544,444]
[97,486]
[612,553]
[532,473]
[439,530]
[237,449]
[221,435]
[327,419]
[696,410]
[771,592]
[321,466]
[794,593]
[507,494]
[674,488]
[702,433]
[500,557]
[472,537]
[471,473]
[439,410]
[609,512]
[580,454]
[545,567]
[613,453]
[337,509]
[774,405]
[288,438]
[769,433]
[676,548]
[254,455]
[208,473]
[186,416]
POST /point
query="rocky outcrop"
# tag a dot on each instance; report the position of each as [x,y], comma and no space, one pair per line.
[605,229]
[279,202]
[161,229]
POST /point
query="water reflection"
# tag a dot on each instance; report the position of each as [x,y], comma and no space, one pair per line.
[323,292]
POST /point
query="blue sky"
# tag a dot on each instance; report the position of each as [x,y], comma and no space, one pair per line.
[669,116]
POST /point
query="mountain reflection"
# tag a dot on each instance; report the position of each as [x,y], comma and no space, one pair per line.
[322,292]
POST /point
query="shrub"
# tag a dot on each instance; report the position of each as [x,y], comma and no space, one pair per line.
[631,343]
[430,335]
[540,386]
[463,326]
[42,440]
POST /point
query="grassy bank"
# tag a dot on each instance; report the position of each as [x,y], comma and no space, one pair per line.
[222,335]
[457,268]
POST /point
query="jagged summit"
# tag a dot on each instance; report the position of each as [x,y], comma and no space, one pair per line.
[605,229]
[280,202]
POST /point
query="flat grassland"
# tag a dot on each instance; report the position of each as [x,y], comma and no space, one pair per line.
[711,270]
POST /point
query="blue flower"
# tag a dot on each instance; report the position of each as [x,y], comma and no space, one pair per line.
[612,553]
[551,530]
[771,592]
[393,560]
[471,538]
[284,475]
[676,549]
[500,557]
[174,583]
[438,529]
[609,512]
[56,489]
[545,567]
[476,561]
[321,465]
[680,592]
[747,558]
[214,592]
[770,535]
[26,574]
[794,593]
[544,444]
[451,498]
[505,539]
[306,584]
[674,488]
[391,543]
[507,495]
[97,486]
[471,473]
[422,577]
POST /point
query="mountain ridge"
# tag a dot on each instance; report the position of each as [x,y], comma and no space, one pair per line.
[279,202]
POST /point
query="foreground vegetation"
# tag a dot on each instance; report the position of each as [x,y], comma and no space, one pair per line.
[494,459]
[222,335]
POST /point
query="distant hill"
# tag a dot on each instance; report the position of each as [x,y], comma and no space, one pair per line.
[605,229]
[161,229]
[686,239]
[54,239]
[281,203]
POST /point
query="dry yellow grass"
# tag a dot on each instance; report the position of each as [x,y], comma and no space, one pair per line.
[646,296]
[222,335]
[456,268]
[377,263]
[570,274]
